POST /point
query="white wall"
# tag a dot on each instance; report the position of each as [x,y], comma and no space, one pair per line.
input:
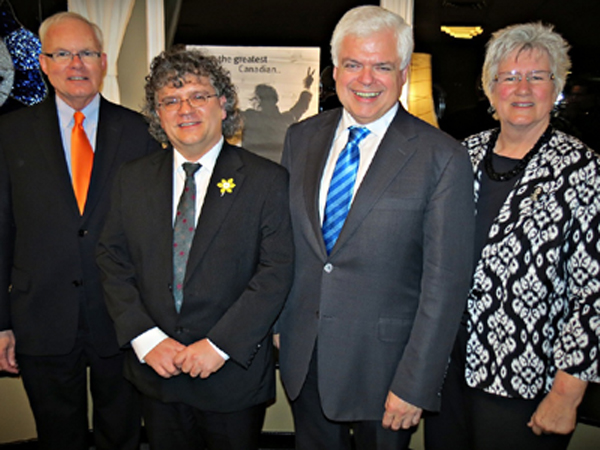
[132,66]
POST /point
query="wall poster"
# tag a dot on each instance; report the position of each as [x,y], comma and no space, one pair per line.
[277,86]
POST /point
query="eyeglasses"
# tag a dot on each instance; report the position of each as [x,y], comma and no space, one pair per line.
[63,56]
[532,77]
[195,101]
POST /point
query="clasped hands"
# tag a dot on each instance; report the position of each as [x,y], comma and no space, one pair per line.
[170,358]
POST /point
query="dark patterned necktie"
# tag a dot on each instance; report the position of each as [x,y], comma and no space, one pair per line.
[183,231]
[339,196]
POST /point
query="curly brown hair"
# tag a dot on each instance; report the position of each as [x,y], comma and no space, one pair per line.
[171,67]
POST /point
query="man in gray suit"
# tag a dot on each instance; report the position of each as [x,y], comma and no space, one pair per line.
[383,240]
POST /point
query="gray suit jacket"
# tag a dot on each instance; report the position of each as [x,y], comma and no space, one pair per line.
[238,274]
[383,309]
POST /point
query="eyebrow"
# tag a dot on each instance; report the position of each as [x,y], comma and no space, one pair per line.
[380,63]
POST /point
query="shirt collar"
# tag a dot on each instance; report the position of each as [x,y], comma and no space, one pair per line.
[208,160]
[378,127]
[65,112]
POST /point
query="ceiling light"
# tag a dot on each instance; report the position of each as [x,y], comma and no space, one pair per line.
[463,32]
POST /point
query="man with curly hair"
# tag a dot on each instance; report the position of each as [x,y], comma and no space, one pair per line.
[197,261]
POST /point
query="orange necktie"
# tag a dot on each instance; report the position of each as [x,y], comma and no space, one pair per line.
[82,159]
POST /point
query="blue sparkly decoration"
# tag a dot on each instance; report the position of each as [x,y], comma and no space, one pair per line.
[24,48]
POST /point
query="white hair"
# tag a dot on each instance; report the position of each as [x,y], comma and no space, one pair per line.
[364,21]
[68,15]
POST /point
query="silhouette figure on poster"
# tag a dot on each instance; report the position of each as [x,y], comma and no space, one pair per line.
[265,126]
[328,98]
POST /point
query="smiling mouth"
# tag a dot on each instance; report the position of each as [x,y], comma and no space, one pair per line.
[367,95]
[77,78]
[188,124]
[522,104]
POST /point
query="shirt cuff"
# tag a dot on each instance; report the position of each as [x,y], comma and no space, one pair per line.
[223,355]
[147,341]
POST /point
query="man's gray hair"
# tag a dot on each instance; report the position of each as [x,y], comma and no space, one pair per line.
[364,21]
[68,15]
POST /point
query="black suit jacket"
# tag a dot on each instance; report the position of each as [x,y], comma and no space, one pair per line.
[384,307]
[237,278]
[48,274]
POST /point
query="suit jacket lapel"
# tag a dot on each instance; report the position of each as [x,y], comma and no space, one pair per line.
[317,153]
[216,205]
[47,132]
[395,150]
[110,128]
[158,187]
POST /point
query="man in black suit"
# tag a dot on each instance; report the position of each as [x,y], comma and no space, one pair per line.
[367,329]
[199,320]
[53,317]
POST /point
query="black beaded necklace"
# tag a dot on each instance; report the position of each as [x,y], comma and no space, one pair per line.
[520,166]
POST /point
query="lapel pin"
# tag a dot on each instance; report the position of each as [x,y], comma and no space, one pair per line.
[536,194]
[226,186]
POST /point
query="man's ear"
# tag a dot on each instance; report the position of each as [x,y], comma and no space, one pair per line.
[222,101]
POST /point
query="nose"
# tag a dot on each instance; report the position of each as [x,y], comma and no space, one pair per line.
[76,60]
[185,106]
[365,76]
[523,84]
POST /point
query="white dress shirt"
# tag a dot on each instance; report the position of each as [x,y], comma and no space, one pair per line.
[368,148]
[146,341]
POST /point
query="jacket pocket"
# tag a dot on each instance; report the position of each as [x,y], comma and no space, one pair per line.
[392,329]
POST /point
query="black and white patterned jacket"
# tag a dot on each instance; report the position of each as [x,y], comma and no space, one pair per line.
[534,305]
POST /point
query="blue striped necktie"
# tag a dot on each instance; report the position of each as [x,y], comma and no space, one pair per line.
[341,188]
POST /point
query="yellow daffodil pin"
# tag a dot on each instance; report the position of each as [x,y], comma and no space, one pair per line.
[226,186]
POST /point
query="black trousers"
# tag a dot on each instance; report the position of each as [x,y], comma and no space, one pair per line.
[57,390]
[314,431]
[179,426]
[472,419]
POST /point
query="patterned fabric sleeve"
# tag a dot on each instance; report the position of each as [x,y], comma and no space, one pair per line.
[576,349]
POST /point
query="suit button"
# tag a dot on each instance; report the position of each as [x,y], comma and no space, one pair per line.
[317,314]
[83,233]
[77,283]
[328,267]
[179,330]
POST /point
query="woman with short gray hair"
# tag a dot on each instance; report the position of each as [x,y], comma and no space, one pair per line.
[528,346]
